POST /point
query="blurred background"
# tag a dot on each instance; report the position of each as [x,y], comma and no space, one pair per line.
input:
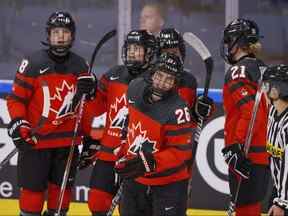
[22,28]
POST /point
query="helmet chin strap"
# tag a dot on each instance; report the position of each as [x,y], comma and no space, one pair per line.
[59,51]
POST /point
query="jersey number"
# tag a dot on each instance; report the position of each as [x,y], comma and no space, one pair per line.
[238,73]
[183,115]
[23,65]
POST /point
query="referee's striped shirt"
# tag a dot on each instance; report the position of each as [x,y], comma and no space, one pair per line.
[277,146]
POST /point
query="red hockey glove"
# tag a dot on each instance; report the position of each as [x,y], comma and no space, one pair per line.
[88,153]
[236,160]
[204,107]
[20,132]
[143,163]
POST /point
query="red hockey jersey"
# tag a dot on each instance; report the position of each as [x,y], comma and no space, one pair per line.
[240,87]
[164,129]
[187,88]
[113,87]
[42,94]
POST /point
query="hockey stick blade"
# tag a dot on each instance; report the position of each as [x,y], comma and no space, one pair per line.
[8,157]
[197,44]
[205,54]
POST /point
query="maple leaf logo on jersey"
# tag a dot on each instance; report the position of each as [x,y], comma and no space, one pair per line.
[118,112]
[139,141]
[63,98]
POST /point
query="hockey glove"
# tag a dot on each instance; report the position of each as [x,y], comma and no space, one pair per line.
[88,154]
[143,163]
[204,107]
[86,84]
[236,160]
[20,132]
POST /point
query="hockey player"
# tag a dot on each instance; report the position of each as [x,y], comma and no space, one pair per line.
[43,107]
[277,136]
[153,159]
[138,51]
[171,41]
[239,48]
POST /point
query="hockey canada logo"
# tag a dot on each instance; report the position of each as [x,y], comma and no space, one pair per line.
[138,140]
[61,102]
[118,113]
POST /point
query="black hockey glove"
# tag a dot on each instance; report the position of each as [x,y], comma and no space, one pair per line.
[20,132]
[86,84]
[204,107]
[236,160]
[143,163]
[88,153]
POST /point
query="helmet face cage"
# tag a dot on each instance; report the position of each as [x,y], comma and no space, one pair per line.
[171,38]
[277,77]
[170,64]
[147,41]
[64,20]
[240,32]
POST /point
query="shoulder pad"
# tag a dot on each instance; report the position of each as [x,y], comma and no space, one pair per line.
[135,86]
[188,80]
[78,63]
[115,72]
[179,111]
[247,68]
[32,63]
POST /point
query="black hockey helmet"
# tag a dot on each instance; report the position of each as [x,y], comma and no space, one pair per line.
[148,42]
[168,63]
[277,77]
[171,38]
[240,32]
[60,19]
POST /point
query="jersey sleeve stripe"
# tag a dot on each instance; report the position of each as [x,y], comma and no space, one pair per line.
[55,135]
[168,172]
[181,147]
[19,99]
[257,149]
[23,84]
[234,86]
[180,131]
[245,100]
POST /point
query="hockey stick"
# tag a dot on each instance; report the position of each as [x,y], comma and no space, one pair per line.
[203,51]
[8,157]
[103,40]
[116,199]
[232,204]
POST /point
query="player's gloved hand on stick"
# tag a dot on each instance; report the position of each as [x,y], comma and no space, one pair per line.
[204,107]
[143,163]
[88,153]
[86,85]
[236,160]
[20,132]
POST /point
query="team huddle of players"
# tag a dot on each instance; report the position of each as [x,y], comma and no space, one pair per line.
[152,108]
